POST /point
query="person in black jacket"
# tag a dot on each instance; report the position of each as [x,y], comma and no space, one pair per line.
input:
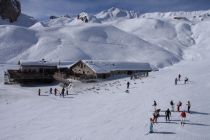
[128,84]
[62,92]
[179,77]
[172,105]
[51,90]
[39,92]
[168,115]
[188,106]
[155,105]
[176,80]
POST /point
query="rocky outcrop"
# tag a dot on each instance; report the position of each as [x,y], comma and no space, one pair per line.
[10,9]
[116,13]
[83,16]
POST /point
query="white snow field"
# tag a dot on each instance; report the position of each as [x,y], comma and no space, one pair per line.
[103,110]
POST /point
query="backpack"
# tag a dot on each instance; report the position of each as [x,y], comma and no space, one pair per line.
[183,114]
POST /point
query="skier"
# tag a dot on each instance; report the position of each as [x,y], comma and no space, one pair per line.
[151,126]
[155,104]
[62,92]
[188,106]
[128,84]
[179,77]
[186,80]
[178,106]
[131,77]
[172,105]
[176,81]
[55,91]
[156,115]
[51,90]
[39,92]
[183,116]
[67,92]
[168,115]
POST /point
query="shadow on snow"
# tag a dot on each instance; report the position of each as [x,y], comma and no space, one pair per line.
[200,124]
[169,122]
[200,113]
[163,132]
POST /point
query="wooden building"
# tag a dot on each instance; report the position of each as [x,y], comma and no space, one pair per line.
[43,71]
[37,71]
[90,69]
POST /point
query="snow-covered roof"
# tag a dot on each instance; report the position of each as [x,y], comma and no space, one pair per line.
[96,65]
[59,64]
[108,66]
[38,63]
[66,64]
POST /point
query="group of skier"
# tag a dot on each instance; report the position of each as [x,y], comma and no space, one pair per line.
[168,113]
[56,91]
[177,79]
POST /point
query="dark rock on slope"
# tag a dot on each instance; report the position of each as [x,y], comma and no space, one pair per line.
[10,9]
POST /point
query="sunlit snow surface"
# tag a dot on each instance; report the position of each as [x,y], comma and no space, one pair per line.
[104,110]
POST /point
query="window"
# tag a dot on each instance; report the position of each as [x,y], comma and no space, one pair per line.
[40,70]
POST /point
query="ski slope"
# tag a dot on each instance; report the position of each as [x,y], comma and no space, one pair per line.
[104,111]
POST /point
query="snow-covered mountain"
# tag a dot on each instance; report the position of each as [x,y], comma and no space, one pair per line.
[116,13]
[105,110]
[113,34]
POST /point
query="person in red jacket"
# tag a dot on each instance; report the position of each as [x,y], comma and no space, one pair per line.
[183,115]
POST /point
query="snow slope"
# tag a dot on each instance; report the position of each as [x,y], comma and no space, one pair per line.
[104,111]
[82,41]
[14,40]
[23,20]
[125,37]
